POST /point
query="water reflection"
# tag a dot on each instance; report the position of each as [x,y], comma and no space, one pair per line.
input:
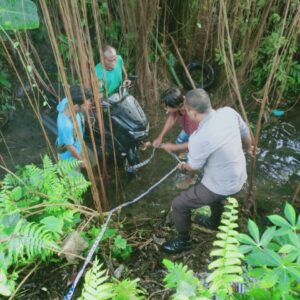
[279,157]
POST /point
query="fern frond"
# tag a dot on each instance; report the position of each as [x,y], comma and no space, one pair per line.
[128,290]
[30,240]
[48,164]
[96,286]
[32,176]
[187,285]
[9,182]
[227,265]
[65,167]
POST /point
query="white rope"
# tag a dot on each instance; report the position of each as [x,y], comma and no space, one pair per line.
[70,293]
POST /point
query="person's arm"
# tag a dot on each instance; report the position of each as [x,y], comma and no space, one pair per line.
[126,81]
[248,145]
[75,154]
[175,147]
[246,136]
[73,151]
[185,166]
[168,125]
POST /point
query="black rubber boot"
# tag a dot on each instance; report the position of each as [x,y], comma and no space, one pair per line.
[214,220]
[206,222]
[180,244]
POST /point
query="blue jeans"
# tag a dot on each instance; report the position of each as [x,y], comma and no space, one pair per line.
[182,137]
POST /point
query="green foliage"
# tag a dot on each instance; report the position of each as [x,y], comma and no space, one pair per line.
[18,14]
[113,240]
[97,286]
[227,265]
[272,261]
[35,214]
[273,257]
[121,248]
[30,240]
[183,280]
[128,290]
[6,99]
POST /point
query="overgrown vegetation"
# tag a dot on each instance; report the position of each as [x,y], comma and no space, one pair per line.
[270,268]
[41,214]
[38,207]
[256,47]
[260,267]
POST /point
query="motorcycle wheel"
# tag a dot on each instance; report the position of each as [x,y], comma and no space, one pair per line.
[202,74]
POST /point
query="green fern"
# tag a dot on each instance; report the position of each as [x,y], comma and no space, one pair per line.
[65,167]
[227,265]
[96,286]
[28,229]
[31,240]
[128,290]
[187,285]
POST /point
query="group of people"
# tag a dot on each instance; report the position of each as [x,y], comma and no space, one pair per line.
[213,139]
[110,76]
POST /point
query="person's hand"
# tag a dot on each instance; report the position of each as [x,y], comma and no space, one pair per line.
[127,83]
[182,165]
[157,142]
[252,151]
[168,147]
[82,165]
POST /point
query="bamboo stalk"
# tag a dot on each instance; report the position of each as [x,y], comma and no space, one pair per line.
[183,64]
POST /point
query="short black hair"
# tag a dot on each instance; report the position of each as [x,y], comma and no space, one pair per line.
[172,97]
[78,96]
[198,100]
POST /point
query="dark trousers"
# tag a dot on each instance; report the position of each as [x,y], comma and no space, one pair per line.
[195,197]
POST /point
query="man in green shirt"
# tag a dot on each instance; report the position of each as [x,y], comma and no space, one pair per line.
[111,76]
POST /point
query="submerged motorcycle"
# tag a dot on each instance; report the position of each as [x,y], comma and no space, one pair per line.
[130,127]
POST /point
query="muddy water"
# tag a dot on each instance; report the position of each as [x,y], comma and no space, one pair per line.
[277,173]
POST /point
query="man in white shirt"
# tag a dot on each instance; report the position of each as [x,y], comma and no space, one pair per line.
[216,146]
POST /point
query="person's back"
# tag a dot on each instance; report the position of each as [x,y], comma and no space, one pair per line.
[68,142]
[66,132]
[221,151]
[215,146]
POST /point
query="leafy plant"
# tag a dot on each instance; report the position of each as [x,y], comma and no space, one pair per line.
[20,14]
[128,290]
[97,286]
[183,280]
[113,239]
[273,257]
[35,213]
[227,265]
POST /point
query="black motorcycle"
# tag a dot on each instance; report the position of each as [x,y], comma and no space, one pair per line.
[129,123]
